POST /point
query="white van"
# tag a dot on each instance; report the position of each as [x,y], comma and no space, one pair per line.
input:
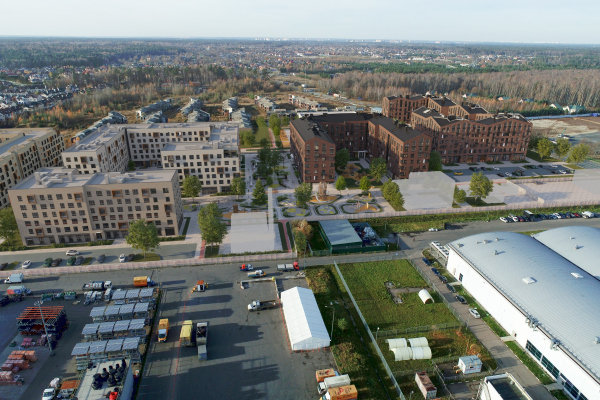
[588,214]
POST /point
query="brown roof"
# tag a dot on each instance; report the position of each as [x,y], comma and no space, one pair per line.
[402,132]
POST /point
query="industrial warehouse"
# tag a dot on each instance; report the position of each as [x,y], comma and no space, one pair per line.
[544,291]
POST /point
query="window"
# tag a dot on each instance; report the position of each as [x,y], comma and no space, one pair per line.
[533,350]
[550,367]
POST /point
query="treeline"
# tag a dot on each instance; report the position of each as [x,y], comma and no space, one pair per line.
[560,86]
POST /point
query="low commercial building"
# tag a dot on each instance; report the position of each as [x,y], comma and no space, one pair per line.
[215,159]
[313,151]
[543,290]
[60,205]
[23,151]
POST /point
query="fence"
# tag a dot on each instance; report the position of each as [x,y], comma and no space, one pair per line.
[150,264]
[366,326]
[562,116]
[416,329]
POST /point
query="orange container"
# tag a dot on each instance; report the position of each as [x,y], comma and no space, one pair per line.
[30,356]
[324,373]
[343,393]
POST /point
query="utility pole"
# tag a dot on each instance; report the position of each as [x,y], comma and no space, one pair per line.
[39,306]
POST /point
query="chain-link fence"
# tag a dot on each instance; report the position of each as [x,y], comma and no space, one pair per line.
[416,329]
[366,326]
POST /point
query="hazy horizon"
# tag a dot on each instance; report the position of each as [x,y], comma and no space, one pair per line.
[534,22]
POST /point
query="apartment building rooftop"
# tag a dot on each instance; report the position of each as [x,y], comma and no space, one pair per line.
[216,126]
[341,117]
[58,177]
[309,129]
[13,138]
[443,101]
[402,132]
[96,139]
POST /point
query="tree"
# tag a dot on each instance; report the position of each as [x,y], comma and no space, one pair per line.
[238,186]
[269,180]
[278,143]
[303,194]
[460,196]
[8,225]
[276,130]
[545,147]
[260,121]
[378,168]
[480,186]
[130,165]
[191,186]
[210,221]
[275,124]
[143,236]
[341,158]
[263,155]
[343,324]
[264,143]
[435,161]
[248,139]
[300,240]
[578,153]
[534,139]
[563,147]
[304,226]
[397,201]
[285,120]
[259,194]
[275,158]
[364,184]
[341,184]
[389,189]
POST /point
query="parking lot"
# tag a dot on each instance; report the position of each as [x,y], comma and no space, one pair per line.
[500,171]
[248,353]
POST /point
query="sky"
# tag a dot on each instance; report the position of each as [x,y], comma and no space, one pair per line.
[530,21]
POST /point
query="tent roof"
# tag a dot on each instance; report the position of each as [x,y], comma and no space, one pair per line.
[305,325]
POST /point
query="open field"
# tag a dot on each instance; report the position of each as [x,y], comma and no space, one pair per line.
[570,126]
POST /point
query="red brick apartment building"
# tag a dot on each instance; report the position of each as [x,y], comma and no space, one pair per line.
[404,148]
[313,151]
[472,134]
[401,107]
[347,130]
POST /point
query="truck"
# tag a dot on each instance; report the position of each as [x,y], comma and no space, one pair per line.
[258,305]
[246,267]
[163,330]
[201,333]
[288,267]
[200,286]
[333,382]
[185,338]
[259,273]
[97,285]
[325,373]
[143,281]
[15,278]
[341,393]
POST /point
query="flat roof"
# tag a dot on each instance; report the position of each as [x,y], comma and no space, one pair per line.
[27,135]
[337,118]
[565,305]
[86,392]
[507,387]
[96,139]
[309,129]
[340,232]
[402,132]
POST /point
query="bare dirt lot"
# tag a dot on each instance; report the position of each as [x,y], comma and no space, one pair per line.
[570,126]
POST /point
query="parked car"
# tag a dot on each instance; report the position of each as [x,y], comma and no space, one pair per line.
[521,219]
[435,271]
[79,260]
[458,173]
[130,257]
[577,215]
[426,261]
[450,288]
[542,216]
[562,215]
[4,300]
[71,261]
[460,299]
[101,258]
[500,175]
[515,219]
[122,258]
[56,262]
[553,216]
[568,215]
[474,313]
[47,262]
[553,166]
[508,174]
[474,169]
[26,264]
[443,278]
[496,168]
[503,219]
[72,252]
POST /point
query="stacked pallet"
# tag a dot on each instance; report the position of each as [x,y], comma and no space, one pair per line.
[30,321]
[19,360]
[9,378]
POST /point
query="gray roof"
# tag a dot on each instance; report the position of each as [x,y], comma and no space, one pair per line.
[80,349]
[126,309]
[106,327]
[97,312]
[342,118]
[340,232]
[147,292]
[565,240]
[141,307]
[136,324]
[309,129]
[112,310]
[121,326]
[564,305]
[131,343]
[119,294]
[90,329]
[114,345]
[98,347]
[402,132]
[133,293]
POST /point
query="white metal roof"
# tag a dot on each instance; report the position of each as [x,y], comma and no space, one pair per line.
[303,319]
[565,307]
[578,244]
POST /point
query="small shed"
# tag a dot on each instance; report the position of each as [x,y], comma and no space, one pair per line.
[425,296]
[428,390]
[112,313]
[90,331]
[121,328]
[132,295]
[126,311]
[470,364]
[396,343]
[402,353]
[421,353]
[418,342]
[141,310]
[119,294]
[97,314]
[105,330]
[303,320]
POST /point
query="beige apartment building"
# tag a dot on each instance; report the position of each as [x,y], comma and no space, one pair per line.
[60,205]
[215,159]
[103,150]
[23,151]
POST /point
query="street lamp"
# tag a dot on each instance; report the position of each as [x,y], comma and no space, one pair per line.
[332,319]
[39,306]
[376,333]
[411,393]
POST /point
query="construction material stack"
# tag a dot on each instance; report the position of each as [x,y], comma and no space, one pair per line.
[19,360]
[30,321]
[201,340]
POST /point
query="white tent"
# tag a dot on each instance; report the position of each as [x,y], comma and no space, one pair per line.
[305,325]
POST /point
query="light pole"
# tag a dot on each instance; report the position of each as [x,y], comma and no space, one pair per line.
[332,319]
[411,393]
[376,333]
[39,306]
[468,319]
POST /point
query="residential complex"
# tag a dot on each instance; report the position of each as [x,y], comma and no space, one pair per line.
[347,130]
[304,103]
[401,107]
[23,151]
[313,151]
[215,159]
[59,205]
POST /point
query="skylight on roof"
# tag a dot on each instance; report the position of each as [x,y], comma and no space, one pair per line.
[529,280]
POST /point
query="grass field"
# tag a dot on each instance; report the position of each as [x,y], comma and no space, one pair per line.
[530,363]
[535,156]
[481,203]
[149,257]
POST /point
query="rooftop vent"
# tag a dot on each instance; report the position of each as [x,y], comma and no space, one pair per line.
[597,340]
[576,275]
[529,280]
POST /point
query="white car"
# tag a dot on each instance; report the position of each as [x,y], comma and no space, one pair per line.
[563,172]
[26,264]
[122,258]
[515,219]
[508,174]
[496,168]
[49,394]
[553,166]
[503,219]
[474,313]
[557,215]
[72,252]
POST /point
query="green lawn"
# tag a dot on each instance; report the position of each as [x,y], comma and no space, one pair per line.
[316,241]
[11,266]
[530,363]
[284,245]
[573,166]
[149,257]
[535,156]
[211,251]
[493,162]
[480,203]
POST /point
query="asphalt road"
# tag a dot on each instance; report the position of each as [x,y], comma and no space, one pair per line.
[112,255]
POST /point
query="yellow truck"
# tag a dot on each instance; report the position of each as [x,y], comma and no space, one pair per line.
[185,339]
[163,330]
